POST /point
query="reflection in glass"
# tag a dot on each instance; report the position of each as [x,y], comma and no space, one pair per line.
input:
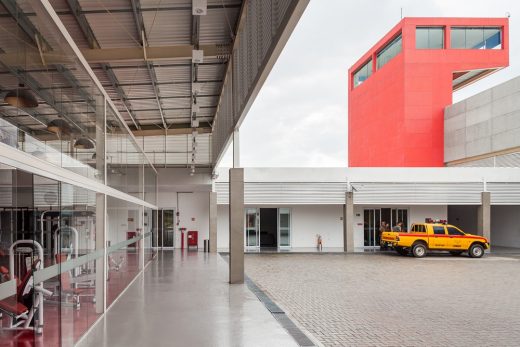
[285,227]
[476,38]
[429,38]
[252,228]
[363,73]
[389,52]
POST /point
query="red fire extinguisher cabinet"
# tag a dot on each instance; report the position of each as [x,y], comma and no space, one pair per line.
[193,239]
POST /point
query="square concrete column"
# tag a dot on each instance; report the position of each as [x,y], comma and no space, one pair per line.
[484,216]
[348,223]
[212,222]
[236,226]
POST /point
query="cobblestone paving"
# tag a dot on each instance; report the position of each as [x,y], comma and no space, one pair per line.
[387,300]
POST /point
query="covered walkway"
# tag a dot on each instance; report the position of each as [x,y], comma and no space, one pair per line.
[183,299]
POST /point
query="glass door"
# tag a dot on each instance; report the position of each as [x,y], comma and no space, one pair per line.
[168,229]
[284,227]
[252,227]
[372,223]
[400,215]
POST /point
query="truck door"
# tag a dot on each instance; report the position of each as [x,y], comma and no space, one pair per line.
[455,238]
[438,239]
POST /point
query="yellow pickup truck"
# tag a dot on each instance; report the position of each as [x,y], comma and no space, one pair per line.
[435,236]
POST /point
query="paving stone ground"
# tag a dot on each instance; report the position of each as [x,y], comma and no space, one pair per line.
[389,300]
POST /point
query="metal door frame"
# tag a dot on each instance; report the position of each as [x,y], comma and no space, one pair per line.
[278,227]
[372,235]
[257,227]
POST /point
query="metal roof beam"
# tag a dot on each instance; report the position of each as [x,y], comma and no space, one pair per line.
[30,30]
[140,84]
[32,57]
[75,9]
[141,33]
[187,130]
[94,44]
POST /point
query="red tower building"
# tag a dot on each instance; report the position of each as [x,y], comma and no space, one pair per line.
[398,89]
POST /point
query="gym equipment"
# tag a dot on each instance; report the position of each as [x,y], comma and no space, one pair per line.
[116,265]
[20,309]
[72,249]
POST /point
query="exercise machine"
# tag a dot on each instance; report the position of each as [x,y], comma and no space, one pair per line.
[25,310]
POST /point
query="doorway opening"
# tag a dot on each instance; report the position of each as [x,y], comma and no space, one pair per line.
[269,228]
[373,217]
[166,232]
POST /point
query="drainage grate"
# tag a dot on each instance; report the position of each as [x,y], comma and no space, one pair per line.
[298,335]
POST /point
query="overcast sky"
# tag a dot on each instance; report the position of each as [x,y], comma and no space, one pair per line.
[300,116]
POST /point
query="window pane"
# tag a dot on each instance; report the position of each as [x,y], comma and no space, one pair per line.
[284,237]
[438,230]
[363,73]
[389,52]
[474,38]
[421,38]
[285,230]
[436,38]
[458,38]
[492,38]
[429,38]
[454,231]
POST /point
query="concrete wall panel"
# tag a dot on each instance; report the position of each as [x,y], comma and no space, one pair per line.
[492,122]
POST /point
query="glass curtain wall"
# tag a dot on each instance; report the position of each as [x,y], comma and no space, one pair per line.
[48,255]
[48,248]
[124,227]
[50,263]
[51,108]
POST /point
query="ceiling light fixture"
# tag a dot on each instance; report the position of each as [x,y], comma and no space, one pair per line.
[58,127]
[84,143]
[21,98]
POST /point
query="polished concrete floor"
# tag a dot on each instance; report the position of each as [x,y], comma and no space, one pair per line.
[183,299]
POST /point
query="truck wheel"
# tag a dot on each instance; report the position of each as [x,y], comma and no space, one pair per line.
[455,253]
[476,251]
[419,250]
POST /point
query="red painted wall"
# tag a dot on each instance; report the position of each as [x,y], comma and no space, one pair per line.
[396,116]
